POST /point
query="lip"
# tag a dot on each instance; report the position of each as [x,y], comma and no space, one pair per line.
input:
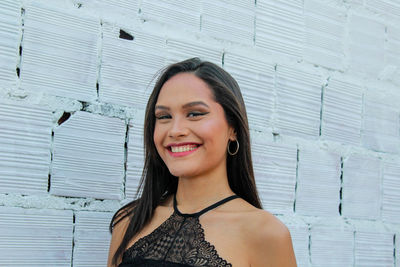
[182,154]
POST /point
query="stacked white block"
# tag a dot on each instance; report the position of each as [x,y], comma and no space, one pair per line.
[88,157]
[128,66]
[229,20]
[135,159]
[10,21]
[25,132]
[341,114]
[280,26]
[373,248]
[366,45]
[256,80]
[391,191]
[361,192]
[59,53]
[300,239]
[324,33]
[180,13]
[318,183]
[181,49]
[298,103]
[31,237]
[91,238]
[331,245]
[381,131]
[108,8]
[388,7]
[275,174]
[392,45]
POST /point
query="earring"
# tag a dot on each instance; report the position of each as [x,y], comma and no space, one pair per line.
[237,148]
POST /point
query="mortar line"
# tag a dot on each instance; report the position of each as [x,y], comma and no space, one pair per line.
[125,159]
[322,106]
[255,22]
[297,178]
[73,238]
[394,250]
[51,160]
[99,60]
[341,186]
[20,47]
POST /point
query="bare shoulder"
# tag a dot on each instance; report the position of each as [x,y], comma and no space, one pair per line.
[269,240]
[118,233]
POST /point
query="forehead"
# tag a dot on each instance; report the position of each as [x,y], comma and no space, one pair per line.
[184,87]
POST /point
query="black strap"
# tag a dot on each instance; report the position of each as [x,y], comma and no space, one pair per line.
[197,214]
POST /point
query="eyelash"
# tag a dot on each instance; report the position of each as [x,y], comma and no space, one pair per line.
[195,114]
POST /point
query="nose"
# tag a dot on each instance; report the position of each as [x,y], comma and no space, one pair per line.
[178,128]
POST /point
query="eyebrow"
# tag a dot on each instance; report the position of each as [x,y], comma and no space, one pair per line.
[187,105]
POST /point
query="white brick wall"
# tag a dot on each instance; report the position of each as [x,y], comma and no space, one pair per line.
[321,82]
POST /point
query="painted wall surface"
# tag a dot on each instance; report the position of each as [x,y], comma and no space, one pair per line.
[321,82]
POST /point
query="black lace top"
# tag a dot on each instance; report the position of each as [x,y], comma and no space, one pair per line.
[178,241]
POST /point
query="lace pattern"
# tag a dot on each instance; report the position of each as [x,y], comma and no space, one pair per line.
[180,239]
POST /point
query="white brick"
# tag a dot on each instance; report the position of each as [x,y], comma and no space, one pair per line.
[331,246]
[128,66]
[10,20]
[324,34]
[280,26]
[135,161]
[91,238]
[387,7]
[275,173]
[361,193]
[35,237]
[111,7]
[381,122]
[391,192]
[298,103]
[366,45]
[229,20]
[88,158]
[392,45]
[25,132]
[181,13]
[256,80]
[373,249]
[300,239]
[341,115]
[318,183]
[60,53]
[178,50]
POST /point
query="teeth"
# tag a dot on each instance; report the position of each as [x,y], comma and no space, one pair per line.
[185,148]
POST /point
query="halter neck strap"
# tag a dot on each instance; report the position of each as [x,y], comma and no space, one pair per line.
[198,214]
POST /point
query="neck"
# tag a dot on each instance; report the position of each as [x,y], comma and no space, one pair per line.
[195,193]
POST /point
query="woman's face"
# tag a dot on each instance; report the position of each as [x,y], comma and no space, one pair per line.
[191,132]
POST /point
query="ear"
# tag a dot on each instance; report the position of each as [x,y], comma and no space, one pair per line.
[232,134]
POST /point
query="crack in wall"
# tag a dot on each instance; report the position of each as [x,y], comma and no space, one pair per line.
[297,176]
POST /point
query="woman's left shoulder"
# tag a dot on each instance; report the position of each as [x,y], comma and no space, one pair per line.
[269,240]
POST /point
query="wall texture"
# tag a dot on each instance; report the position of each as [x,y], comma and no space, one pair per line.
[321,81]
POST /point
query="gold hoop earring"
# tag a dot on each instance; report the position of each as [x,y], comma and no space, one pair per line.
[237,148]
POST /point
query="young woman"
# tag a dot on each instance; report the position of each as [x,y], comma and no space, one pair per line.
[199,204]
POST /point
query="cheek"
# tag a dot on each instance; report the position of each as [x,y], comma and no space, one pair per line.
[216,132]
[157,137]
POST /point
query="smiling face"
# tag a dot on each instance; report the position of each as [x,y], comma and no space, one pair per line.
[191,132]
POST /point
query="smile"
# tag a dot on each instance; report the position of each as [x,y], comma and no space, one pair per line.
[182,150]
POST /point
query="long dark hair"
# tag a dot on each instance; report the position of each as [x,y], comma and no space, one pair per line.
[157,183]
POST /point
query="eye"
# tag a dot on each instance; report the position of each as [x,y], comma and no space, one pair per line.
[163,117]
[196,114]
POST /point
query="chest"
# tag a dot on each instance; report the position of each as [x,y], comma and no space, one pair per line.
[205,241]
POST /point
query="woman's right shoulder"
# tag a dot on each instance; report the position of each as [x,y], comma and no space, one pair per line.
[118,228]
